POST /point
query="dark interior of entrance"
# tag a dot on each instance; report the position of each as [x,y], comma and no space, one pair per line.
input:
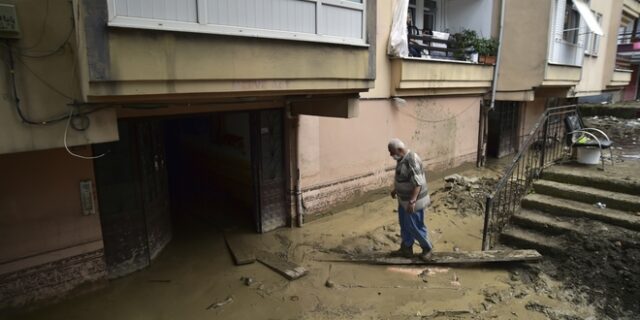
[209,168]
[503,129]
[222,170]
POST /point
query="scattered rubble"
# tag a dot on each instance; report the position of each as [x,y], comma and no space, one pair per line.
[624,133]
[465,195]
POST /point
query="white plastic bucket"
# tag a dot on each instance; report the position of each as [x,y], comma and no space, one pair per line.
[588,155]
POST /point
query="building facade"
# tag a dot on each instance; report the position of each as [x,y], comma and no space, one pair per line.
[554,61]
[121,117]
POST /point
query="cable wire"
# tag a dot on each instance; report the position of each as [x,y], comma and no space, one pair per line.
[66,131]
[45,82]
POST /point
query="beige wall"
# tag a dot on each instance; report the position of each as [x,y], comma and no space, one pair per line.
[611,42]
[342,158]
[382,85]
[524,44]
[597,70]
[38,79]
[529,114]
[40,203]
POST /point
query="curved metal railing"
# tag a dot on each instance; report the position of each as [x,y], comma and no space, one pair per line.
[545,145]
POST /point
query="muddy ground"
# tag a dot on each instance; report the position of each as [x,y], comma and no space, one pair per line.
[194,278]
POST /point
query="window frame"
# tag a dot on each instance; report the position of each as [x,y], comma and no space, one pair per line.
[201,25]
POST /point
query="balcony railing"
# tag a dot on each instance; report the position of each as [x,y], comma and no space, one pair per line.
[434,47]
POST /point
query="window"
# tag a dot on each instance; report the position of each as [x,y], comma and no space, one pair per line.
[593,40]
[423,14]
[429,15]
[412,12]
[332,21]
[571,26]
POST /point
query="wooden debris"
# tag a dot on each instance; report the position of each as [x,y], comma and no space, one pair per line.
[288,269]
[242,253]
[216,305]
[460,257]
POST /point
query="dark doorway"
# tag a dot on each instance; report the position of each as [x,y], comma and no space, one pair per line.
[503,129]
[219,169]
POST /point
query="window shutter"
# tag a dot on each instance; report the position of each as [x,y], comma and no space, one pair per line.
[582,35]
[559,19]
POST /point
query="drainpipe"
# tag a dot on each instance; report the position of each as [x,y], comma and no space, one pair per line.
[298,189]
[299,209]
[498,58]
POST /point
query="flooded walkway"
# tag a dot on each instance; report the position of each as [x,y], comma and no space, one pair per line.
[195,278]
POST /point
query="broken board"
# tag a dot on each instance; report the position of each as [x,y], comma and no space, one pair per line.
[242,253]
[288,269]
[461,257]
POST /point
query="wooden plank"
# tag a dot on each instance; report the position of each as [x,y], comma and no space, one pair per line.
[286,268]
[242,253]
[462,257]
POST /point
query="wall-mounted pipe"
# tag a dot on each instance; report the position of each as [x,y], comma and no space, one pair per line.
[298,189]
[499,57]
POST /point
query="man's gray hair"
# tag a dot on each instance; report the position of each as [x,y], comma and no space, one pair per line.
[396,144]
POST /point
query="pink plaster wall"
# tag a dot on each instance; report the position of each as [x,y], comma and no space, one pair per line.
[40,208]
[632,87]
[341,158]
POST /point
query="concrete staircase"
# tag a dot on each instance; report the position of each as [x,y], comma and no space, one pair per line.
[563,204]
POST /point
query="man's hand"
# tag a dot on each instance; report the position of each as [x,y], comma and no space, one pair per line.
[411,207]
[393,193]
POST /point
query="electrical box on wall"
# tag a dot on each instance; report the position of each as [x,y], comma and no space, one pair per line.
[87,197]
[9,27]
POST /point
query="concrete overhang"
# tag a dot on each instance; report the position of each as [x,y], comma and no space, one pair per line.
[422,77]
[620,79]
[560,75]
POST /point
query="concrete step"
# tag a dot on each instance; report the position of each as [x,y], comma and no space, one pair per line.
[613,200]
[570,208]
[592,178]
[554,225]
[527,239]
[544,223]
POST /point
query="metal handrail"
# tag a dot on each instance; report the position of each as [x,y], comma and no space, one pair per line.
[544,146]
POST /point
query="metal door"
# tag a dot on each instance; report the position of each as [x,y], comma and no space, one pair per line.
[124,228]
[154,186]
[268,169]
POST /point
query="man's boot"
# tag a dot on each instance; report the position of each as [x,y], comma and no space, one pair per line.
[426,254]
[405,252]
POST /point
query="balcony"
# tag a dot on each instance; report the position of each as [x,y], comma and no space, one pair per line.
[218,49]
[559,75]
[621,78]
[417,77]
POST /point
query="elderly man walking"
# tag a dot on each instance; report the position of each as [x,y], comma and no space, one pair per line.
[410,187]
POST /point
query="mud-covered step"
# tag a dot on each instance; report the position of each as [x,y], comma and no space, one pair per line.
[557,225]
[595,179]
[544,223]
[514,236]
[613,200]
[570,208]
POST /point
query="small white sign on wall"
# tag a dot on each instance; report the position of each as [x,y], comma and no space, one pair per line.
[87,197]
